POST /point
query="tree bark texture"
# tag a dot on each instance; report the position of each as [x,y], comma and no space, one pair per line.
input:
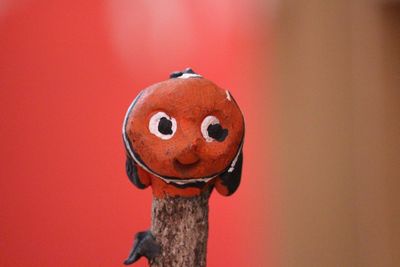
[180,227]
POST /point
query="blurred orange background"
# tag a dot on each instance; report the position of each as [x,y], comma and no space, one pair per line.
[69,71]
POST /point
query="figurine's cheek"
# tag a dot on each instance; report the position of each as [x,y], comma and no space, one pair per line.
[220,152]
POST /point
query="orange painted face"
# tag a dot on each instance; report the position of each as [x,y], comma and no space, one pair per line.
[184,130]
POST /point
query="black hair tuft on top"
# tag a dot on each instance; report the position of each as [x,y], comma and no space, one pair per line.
[177,74]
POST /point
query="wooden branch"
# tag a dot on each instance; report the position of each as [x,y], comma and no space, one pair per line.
[180,227]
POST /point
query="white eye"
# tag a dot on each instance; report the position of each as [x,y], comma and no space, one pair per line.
[211,129]
[162,125]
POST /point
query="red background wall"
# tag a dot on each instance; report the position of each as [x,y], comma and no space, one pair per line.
[69,70]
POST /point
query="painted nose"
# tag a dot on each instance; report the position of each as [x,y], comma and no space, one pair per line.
[188,155]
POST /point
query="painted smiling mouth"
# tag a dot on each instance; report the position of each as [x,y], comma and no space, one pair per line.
[185,167]
[188,181]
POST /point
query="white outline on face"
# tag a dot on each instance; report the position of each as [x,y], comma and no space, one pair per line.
[228,95]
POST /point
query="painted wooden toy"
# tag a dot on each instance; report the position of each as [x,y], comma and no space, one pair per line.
[183,137]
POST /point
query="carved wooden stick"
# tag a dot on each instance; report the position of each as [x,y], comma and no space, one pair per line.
[183,137]
[180,226]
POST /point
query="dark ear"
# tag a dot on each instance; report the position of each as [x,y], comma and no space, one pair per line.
[133,174]
[229,181]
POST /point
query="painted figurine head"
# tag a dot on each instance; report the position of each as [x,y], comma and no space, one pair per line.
[184,135]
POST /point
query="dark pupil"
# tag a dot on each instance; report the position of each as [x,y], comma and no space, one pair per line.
[217,132]
[165,126]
